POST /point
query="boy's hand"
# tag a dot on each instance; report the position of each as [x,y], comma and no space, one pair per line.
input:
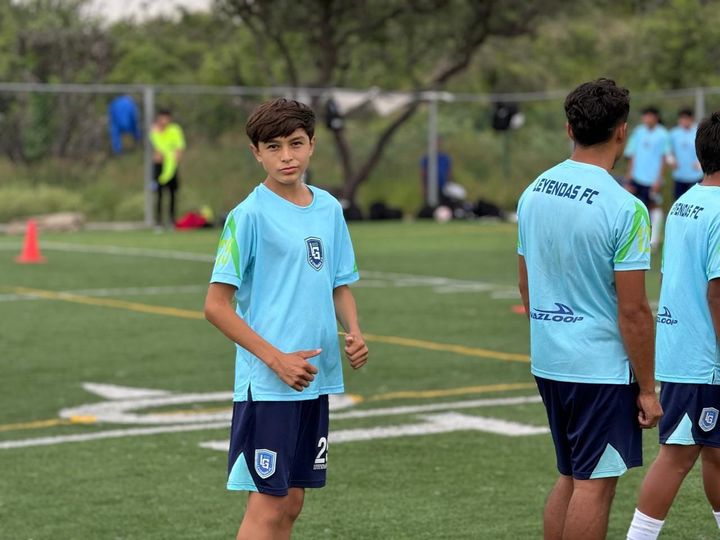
[294,369]
[650,411]
[355,350]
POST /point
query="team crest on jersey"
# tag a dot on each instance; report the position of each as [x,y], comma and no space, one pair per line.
[265,462]
[315,252]
[708,418]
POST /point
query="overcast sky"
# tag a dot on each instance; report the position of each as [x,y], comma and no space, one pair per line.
[119,9]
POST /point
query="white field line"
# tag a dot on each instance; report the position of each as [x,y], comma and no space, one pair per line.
[385,411]
[431,424]
[370,279]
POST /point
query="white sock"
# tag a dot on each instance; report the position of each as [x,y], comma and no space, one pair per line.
[717,518]
[644,527]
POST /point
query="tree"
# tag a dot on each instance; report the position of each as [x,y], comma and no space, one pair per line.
[329,43]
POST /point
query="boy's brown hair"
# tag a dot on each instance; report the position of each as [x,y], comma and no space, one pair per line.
[279,118]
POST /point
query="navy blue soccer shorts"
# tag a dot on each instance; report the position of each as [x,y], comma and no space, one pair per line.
[594,427]
[691,414]
[277,445]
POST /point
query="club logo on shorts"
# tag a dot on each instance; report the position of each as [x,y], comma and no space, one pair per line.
[666,317]
[563,314]
[708,418]
[315,252]
[265,462]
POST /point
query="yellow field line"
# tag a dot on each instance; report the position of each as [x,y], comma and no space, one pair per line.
[447,347]
[36,424]
[108,302]
[424,394]
[190,314]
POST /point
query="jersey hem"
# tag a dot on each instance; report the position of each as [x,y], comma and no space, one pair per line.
[624,381]
[684,380]
[297,396]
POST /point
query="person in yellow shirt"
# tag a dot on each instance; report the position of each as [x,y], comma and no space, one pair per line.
[168,141]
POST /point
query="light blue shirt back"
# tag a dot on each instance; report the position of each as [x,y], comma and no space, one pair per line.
[285,261]
[648,148]
[577,226]
[682,146]
[687,349]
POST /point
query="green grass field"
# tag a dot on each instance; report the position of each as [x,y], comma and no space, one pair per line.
[436,303]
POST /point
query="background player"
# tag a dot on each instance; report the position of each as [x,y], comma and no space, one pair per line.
[168,142]
[647,150]
[583,250]
[285,258]
[688,326]
[682,158]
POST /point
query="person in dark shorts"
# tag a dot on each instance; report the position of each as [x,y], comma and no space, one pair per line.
[278,289]
[584,247]
[688,327]
[168,141]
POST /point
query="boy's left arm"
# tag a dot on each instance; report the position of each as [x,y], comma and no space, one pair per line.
[346,312]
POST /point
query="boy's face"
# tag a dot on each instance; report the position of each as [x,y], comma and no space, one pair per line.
[685,121]
[163,120]
[285,158]
[650,119]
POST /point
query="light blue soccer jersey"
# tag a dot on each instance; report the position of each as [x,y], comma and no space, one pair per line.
[648,148]
[687,349]
[285,261]
[682,146]
[577,226]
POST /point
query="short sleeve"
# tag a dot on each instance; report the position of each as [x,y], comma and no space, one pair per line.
[713,260]
[632,237]
[236,250]
[346,270]
[520,246]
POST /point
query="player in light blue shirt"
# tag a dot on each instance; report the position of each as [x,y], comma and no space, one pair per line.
[280,281]
[688,358]
[583,250]
[683,160]
[647,150]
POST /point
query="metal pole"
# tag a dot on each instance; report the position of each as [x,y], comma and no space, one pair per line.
[433,195]
[699,104]
[149,112]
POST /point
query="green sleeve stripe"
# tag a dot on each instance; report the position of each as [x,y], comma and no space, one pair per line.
[640,232]
[234,249]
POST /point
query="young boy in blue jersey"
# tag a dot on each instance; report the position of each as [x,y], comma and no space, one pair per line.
[647,150]
[285,260]
[686,171]
[688,326]
[583,251]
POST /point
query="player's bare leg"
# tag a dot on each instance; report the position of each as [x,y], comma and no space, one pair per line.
[664,478]
[265,518]
[589,509]
[293,507]
[711,475]
[556,508]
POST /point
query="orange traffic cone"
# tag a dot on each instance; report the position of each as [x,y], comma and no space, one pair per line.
[30,253]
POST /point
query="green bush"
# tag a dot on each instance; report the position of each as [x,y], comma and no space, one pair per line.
[21,201]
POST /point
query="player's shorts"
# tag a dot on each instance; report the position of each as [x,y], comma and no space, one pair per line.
[594,427]
[691,414]
[682,187]
[641,192]
[276,445]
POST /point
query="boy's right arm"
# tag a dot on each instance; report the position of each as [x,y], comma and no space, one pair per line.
[637,329]
[293,368]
